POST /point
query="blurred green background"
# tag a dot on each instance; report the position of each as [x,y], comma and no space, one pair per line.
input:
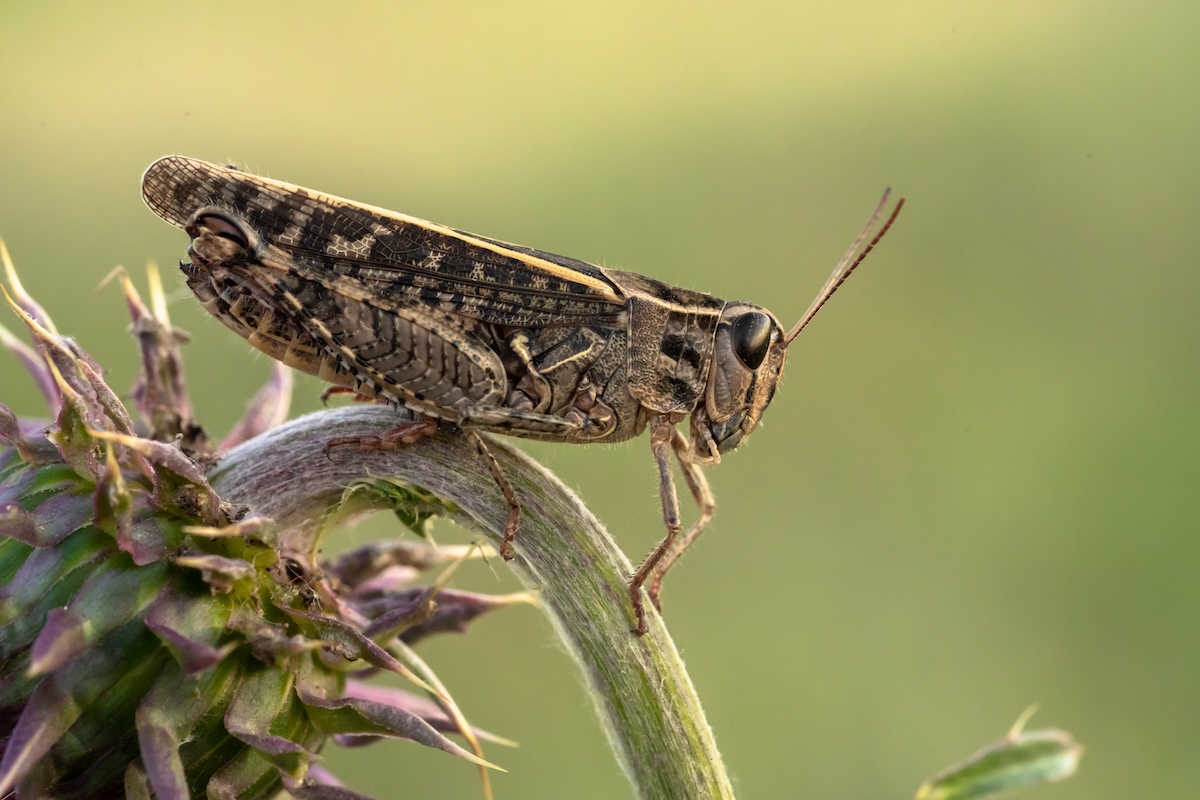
[976,488]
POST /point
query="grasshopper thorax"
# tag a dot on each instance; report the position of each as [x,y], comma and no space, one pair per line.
[748,355]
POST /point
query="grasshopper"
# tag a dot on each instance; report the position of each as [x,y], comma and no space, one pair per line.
[481,334]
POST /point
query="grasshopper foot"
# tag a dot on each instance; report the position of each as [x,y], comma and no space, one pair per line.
[510,532]
[401,435]
[333,390]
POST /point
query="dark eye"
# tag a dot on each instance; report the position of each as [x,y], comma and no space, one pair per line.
[751,337]
[221,225]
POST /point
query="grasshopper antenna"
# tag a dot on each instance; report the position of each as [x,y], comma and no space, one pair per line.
[848,263]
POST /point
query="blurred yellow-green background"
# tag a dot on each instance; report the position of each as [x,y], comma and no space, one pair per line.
[977,487]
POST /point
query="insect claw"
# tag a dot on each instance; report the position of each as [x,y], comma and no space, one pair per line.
[635,597]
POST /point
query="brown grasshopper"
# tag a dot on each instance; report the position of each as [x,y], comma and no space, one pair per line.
[482,334]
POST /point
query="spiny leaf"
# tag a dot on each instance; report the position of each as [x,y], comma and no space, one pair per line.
[350,716]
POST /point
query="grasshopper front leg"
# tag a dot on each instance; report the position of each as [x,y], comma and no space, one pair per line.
[662,432]
[693,473]
[665,438]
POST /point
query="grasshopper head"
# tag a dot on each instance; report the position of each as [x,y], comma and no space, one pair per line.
[748,358]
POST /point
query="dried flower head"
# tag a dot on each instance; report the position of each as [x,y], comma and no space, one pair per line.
[158,639]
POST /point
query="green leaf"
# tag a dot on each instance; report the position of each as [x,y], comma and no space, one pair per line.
[1020,759]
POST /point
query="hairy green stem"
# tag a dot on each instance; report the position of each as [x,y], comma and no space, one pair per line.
[640,688]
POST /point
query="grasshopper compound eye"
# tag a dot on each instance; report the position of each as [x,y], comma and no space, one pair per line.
[750,336]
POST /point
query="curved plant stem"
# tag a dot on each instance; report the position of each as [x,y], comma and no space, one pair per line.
[640,688]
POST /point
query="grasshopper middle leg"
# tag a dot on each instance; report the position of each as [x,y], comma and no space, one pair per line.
[506,489]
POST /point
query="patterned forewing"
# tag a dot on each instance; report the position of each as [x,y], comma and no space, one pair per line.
[402,258]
